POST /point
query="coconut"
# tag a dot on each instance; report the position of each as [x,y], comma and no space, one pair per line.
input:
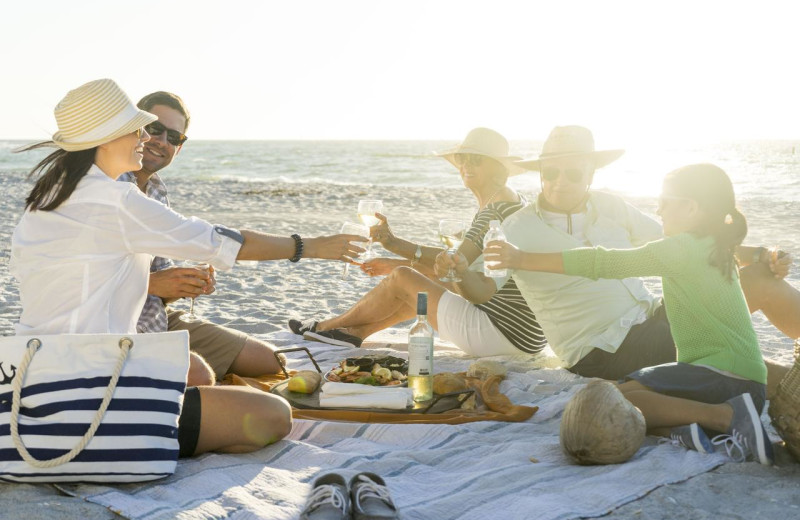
[600,426]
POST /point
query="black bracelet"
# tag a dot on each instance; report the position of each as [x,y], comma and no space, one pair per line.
[757,254]
[298,248]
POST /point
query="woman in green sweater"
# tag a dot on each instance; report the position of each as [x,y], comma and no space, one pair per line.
[718,382]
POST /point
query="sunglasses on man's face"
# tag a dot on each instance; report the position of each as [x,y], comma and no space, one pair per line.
[551,173]
[471,159]
[174,137]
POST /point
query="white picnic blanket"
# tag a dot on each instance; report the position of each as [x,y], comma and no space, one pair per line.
[471,471]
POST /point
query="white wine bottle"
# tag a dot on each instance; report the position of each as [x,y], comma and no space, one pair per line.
[420,353]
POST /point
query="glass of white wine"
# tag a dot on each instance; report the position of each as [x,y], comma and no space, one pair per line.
[451,233]
[366,213]
[191,317]
[350,228]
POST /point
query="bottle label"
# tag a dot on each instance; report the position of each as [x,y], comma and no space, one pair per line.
[420,356]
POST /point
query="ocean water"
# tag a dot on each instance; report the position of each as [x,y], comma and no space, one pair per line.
[765,174]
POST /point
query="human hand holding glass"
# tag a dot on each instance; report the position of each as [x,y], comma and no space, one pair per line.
[451,233]
[780,261]
[366,213]
[349,228]
[191,317]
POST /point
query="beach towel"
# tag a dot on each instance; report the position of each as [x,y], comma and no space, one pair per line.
[476,470]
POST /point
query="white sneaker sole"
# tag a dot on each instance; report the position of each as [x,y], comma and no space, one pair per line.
[759,431]
[695,429]
[313,336]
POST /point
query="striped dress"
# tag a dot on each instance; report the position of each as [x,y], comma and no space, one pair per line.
[507,309]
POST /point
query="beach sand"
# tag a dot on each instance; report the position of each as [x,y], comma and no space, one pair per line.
[259,300]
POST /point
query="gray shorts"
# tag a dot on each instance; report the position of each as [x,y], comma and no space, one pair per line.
[698,383]
[647,344]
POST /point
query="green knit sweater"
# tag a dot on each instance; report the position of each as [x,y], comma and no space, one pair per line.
[708,315]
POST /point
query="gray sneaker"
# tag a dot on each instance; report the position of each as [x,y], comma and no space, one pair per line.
[692,437]
[329,499]
[746,438]
[370,497]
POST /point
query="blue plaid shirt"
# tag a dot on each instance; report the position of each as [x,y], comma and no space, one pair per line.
[154,313]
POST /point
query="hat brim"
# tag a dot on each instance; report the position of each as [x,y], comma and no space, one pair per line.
[509,161]
[140,119]
[600,158]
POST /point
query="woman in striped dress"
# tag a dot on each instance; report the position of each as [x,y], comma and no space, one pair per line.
[503,325]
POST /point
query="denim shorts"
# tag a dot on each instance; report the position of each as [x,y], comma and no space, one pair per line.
[698,383]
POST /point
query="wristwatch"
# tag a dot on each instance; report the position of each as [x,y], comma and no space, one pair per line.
[417,255]
[757,254]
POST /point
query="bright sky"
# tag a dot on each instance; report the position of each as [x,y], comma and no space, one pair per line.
[634,72]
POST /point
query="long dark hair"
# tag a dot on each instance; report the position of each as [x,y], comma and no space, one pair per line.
[710,187]
[58,175]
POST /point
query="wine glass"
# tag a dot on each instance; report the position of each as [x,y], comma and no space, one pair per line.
[451,233]
[366,213]
[350,228]
[191,317]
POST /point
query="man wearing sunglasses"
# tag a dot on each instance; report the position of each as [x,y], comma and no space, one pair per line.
[216,350]
[600,328]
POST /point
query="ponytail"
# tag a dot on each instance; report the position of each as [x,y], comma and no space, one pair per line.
[58,175]
[728,232]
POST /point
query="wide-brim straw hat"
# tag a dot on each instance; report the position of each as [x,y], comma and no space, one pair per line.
[486,142]
[571,141]
[96,113]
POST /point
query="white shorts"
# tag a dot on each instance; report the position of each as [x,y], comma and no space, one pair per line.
[464,324]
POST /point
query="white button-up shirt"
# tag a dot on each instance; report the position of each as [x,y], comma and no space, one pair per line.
[84,267]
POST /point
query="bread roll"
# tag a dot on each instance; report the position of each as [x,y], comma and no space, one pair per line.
[447,382]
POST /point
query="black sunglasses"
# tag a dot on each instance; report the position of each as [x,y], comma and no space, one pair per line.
[551,173]
[174,137]
[472,159]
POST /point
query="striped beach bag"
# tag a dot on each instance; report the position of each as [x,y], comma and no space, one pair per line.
[91,407]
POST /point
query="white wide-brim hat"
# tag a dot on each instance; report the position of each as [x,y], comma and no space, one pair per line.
[486,142]
[96,113]
[571,141]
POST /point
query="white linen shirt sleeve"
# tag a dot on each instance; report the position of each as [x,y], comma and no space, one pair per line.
[642,227]
[148,226]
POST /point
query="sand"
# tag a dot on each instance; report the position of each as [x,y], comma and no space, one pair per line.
[259,300]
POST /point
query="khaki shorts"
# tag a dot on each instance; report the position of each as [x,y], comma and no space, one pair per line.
[218,345]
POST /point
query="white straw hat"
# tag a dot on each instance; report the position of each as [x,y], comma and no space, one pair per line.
[96,113]
[571,141]
[486,142]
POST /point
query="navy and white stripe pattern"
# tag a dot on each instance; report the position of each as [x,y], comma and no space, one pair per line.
[507,309]
[138,437]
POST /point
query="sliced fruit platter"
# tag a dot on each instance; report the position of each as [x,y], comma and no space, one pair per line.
[373,369]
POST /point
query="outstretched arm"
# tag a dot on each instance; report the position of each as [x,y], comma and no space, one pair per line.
[263,246]
[503,255]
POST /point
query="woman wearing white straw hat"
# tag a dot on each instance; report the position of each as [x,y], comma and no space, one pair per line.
[81,253]
[502,325]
